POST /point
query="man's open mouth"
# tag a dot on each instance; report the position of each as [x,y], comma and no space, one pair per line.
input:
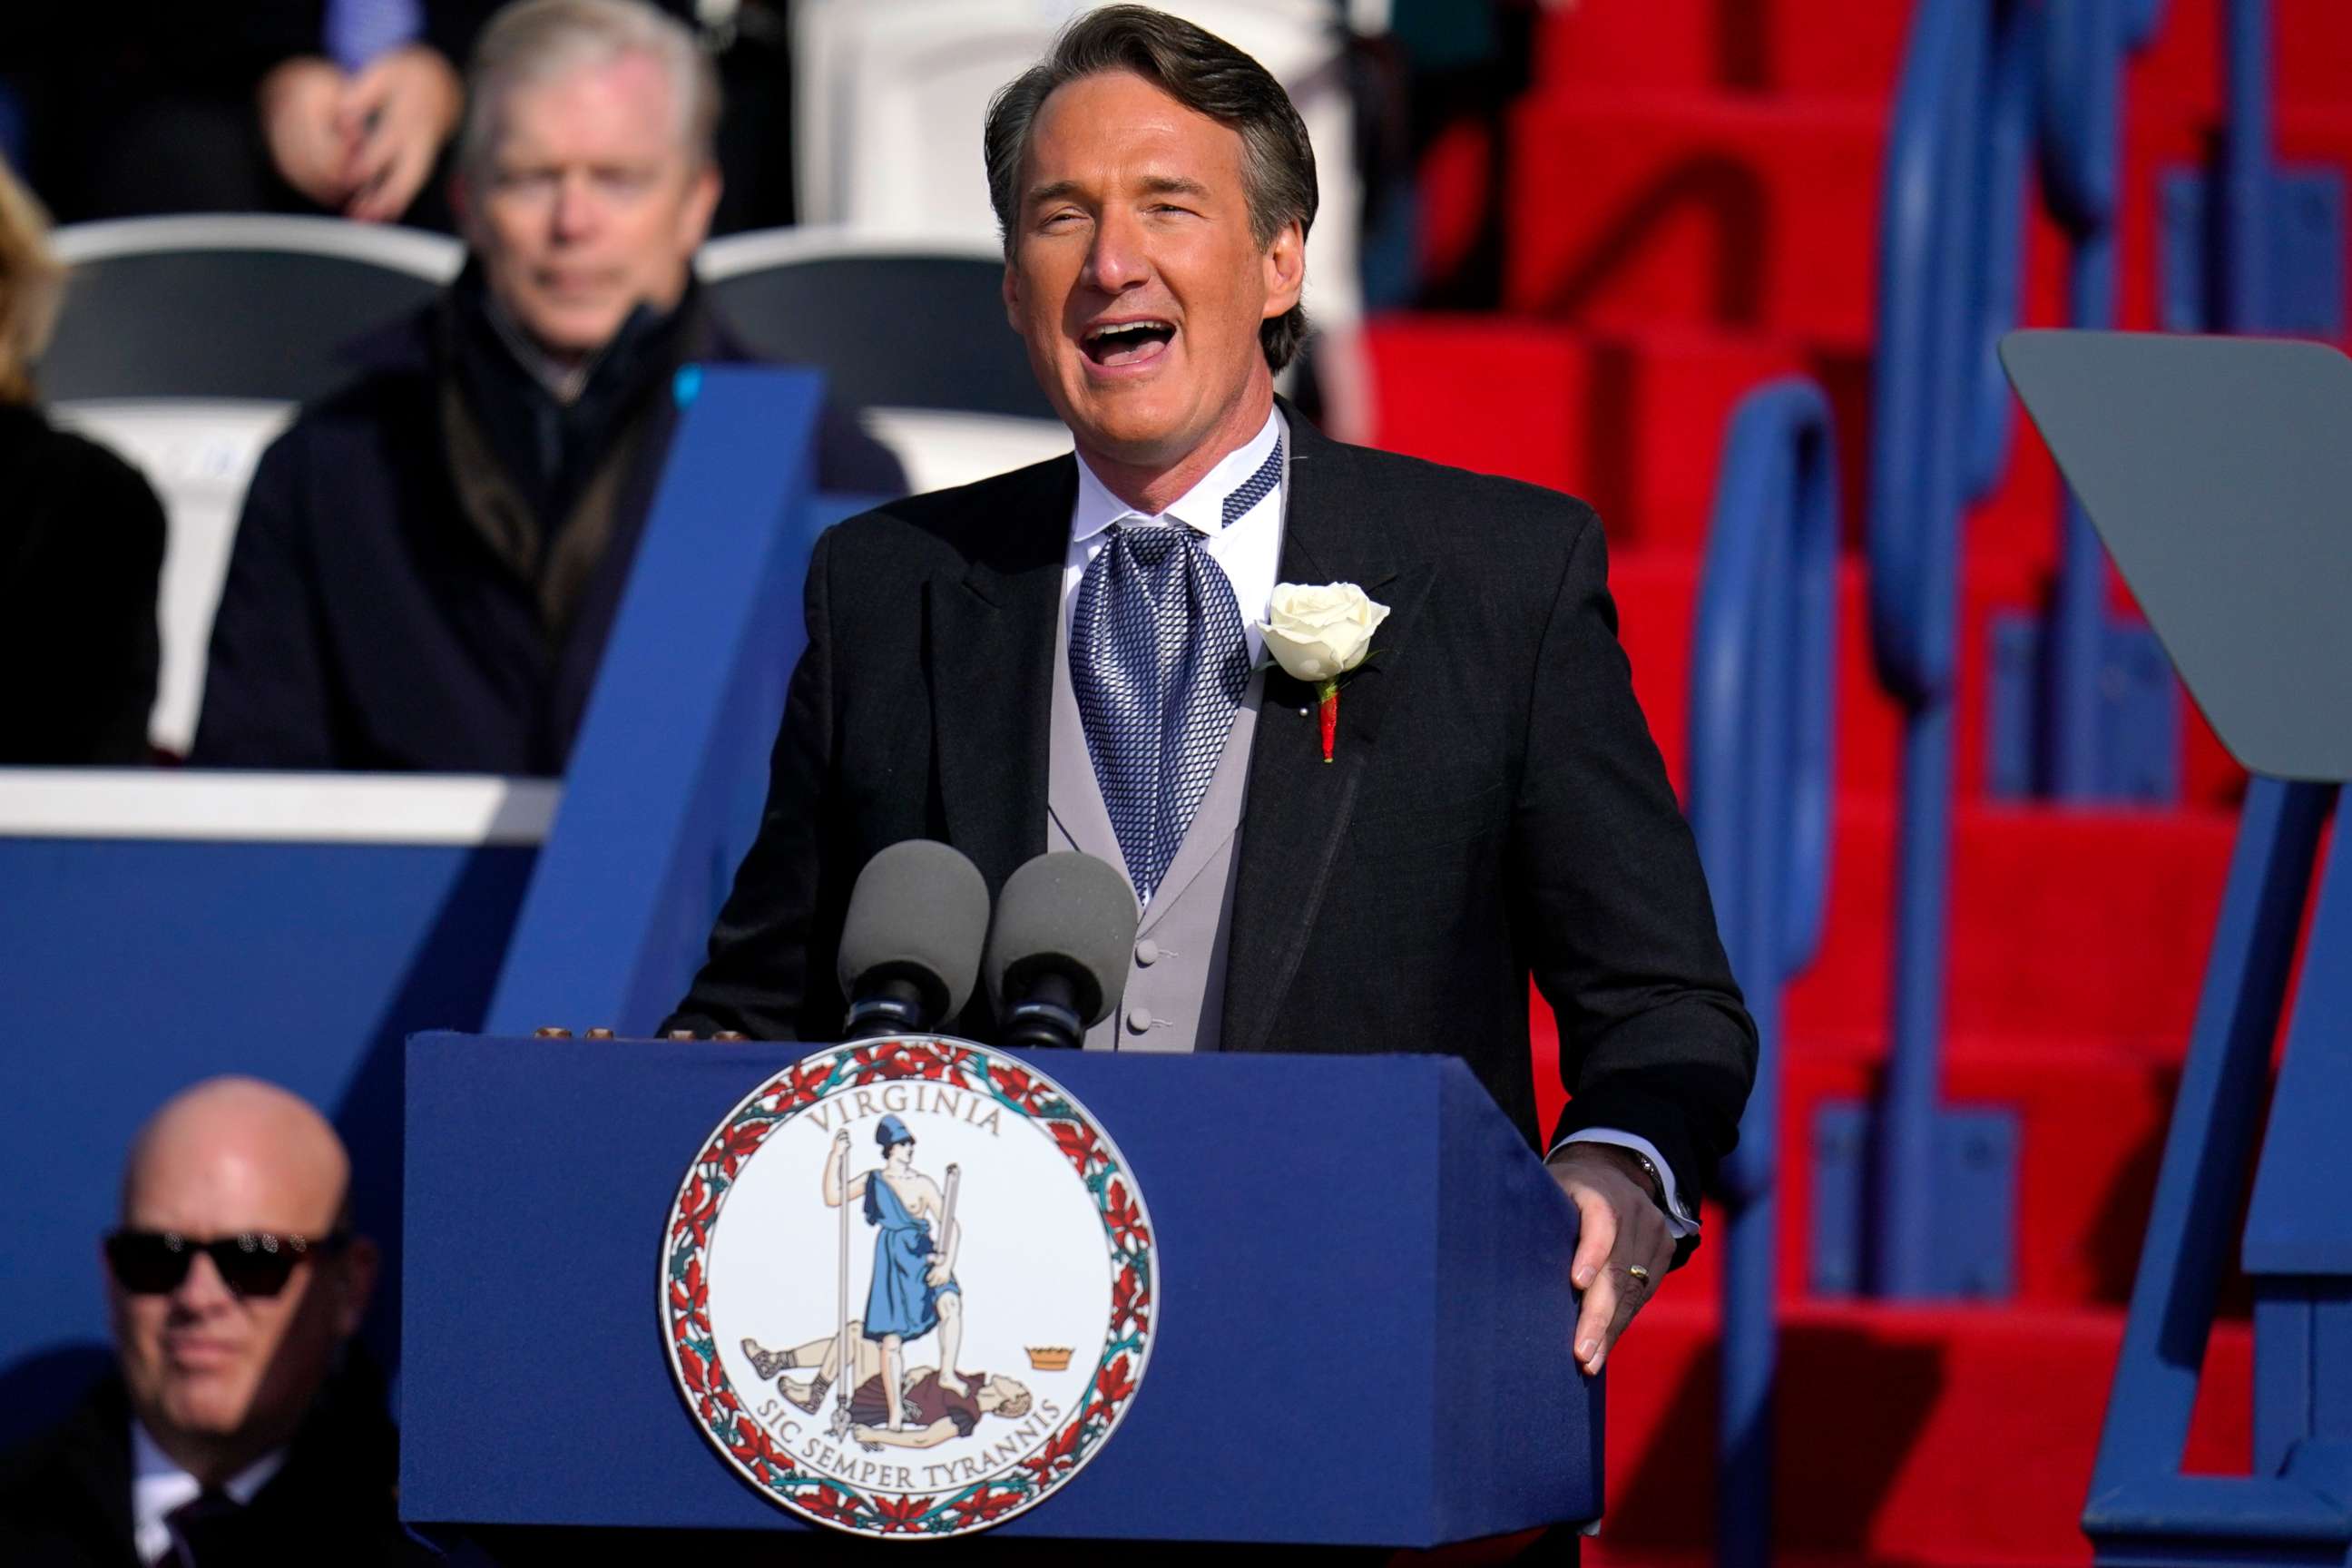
[1126,342]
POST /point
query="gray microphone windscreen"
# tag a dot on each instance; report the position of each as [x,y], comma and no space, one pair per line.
[1066,913]
[920,913]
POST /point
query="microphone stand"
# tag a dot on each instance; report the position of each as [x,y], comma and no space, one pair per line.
[885,1007]
[1047,1016]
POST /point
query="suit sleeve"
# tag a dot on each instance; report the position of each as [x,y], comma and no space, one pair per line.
[1654,1037]
[761,973]
[267,701]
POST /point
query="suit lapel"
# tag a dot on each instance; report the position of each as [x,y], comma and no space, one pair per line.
[990,658]
[1294,813]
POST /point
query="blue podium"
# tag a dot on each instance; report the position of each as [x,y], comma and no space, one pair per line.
[1364,1331]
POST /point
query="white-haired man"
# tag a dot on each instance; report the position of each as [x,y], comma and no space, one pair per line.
[430,560]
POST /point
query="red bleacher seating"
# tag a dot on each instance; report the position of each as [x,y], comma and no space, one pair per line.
[1690,208]
[1750,213]
[1606,416]
[1918,1436]
[1814,48]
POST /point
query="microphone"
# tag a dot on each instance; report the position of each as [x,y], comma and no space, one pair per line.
[911,942]
[1058,950]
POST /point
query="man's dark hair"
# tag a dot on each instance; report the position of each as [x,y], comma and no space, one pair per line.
[1206,75]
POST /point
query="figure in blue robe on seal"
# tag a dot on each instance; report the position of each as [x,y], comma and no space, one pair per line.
[914,1289]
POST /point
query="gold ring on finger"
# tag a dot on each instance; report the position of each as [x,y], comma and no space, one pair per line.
[1638,1274]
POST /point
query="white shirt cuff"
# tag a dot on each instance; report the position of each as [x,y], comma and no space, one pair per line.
[1680,1220]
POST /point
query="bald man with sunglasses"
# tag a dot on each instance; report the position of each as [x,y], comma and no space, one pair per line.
[233,1431]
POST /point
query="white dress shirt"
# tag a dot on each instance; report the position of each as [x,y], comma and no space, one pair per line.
[1250,553]
[158,1486]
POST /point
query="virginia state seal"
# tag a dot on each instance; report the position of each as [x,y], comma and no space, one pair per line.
[907,1287]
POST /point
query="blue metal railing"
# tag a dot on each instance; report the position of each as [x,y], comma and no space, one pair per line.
[2246,170]
[2084,48]
[1763,692]
[1986,85]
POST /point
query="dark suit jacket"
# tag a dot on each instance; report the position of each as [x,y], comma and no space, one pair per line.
[64,1499]
[1496,807]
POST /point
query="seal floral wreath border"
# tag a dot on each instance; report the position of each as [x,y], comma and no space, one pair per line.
[686,1288]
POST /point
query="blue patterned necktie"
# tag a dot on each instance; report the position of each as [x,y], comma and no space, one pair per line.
[1158,661]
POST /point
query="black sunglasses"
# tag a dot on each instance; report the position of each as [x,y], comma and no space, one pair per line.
[251,1263]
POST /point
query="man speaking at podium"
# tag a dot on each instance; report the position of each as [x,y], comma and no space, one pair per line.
[1489,804]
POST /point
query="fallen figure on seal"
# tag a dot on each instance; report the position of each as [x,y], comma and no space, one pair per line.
[937,1410]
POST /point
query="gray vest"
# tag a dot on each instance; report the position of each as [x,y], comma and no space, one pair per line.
[1176,974]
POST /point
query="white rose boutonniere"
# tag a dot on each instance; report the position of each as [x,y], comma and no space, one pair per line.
[1319,633]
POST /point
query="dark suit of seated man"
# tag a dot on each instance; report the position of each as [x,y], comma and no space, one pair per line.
[429,561]
[1070,656]
[237,1428]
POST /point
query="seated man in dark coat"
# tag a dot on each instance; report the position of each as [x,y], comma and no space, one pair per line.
[430,560]
[235,1429]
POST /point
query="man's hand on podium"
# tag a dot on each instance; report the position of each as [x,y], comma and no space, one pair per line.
[1624,1247]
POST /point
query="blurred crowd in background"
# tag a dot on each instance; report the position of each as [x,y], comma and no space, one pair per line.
[488,465]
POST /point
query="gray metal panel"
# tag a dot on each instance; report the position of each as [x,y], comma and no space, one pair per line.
[2219,473]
